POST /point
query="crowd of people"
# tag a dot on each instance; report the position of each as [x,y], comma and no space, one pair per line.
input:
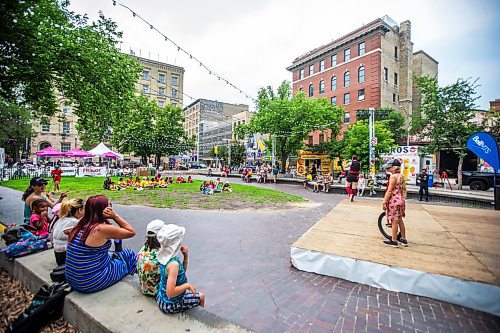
[83,232]
[141,183]
[217,186]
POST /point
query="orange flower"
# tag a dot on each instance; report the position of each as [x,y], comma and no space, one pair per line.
[146,267]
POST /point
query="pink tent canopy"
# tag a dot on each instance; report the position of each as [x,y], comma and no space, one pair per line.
[50,152]
[111,155]
[76,152]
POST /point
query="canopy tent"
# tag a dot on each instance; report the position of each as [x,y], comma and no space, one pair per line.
[50,152]
[101,150]
[78,153]
[110,155]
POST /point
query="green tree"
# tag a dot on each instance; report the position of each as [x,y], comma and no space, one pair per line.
[446,116]
[49,52]
[152,130]
[19,127]
[222,153]
[289,119]
[357,138]
[238,154]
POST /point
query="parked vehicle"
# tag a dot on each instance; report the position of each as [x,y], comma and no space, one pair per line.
[478,180]
[198,166]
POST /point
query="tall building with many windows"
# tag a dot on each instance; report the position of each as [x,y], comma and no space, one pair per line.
[373,66]
[159,81]
[212,123]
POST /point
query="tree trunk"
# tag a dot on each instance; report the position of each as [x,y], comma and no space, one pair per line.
[459,171]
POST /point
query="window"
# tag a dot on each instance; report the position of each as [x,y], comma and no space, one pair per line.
[347,79]
[334,60]
[347,118]
[395,78]
[45,127]
[301,75]
[394,98]
[347,55]
[175,80]
[322,65]
[66,126]
[161,78]
[361,48]
[161,91]
[310,140]
[361,74]
[321,138]
[161,103]
[386,74]
[334,83]
[311,70]
[65,146]
[334,100]
[396,52]
[311,90]
[66,110]
[174,93]
[145,75]
[322,87]
[145,89]
[361,95]
[347,99]
[174,104]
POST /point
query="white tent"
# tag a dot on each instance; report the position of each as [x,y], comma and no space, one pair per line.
[101,149]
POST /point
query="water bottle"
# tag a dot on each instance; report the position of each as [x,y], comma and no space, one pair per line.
[118,245]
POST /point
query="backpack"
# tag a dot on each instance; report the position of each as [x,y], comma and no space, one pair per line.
[47,305]
[27,244]
[13,233]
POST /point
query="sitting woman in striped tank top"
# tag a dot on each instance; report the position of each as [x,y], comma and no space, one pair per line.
[89,266]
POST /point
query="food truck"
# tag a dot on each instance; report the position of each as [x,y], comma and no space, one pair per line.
[305,160]
[412,161]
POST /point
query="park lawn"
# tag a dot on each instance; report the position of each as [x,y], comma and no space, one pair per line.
[183,196]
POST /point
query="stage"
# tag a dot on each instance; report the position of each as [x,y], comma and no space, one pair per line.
[453,253]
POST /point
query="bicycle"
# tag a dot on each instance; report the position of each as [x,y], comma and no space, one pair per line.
[385,227]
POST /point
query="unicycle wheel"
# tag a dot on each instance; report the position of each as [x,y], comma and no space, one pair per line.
[385,226]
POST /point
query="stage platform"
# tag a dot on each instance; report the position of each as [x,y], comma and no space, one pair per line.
[453,253]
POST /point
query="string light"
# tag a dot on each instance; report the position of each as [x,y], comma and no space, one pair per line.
[179,48]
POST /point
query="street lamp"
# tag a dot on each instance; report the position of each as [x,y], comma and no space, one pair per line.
[228,151]
[407,124]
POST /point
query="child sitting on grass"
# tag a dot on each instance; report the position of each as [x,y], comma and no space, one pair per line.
[175,294]
[39,218]
[227,187]
[148,268]
[190,179]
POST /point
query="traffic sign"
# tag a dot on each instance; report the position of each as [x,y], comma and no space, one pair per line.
[374,140]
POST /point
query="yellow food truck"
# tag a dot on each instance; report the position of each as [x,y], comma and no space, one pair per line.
[305,160]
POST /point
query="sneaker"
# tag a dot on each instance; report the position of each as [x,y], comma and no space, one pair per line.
[391,243]
[403,242]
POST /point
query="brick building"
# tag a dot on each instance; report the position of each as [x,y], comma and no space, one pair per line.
[372,66]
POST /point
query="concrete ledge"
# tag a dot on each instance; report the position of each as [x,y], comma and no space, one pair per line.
[120,308]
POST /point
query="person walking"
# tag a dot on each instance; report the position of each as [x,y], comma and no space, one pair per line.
[424,186]
[352,177]
[56,177]
[394,203]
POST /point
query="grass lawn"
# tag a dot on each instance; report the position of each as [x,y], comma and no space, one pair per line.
[184,196]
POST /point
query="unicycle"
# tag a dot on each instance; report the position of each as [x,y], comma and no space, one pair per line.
[385,227]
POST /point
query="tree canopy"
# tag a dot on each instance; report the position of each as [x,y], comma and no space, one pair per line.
[289,119]
[149,129]
[18,119]
[49,52]
[446,116]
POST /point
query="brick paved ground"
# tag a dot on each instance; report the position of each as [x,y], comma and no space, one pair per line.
[241,260]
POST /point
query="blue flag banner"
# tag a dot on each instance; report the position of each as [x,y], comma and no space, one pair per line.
[485,146]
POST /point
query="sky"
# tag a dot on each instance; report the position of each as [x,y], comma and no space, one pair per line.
[250,43]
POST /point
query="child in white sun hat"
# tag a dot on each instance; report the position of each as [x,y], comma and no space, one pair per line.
[175,294]
[148,268]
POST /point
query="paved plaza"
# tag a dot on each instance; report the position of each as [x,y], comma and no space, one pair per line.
[241,261]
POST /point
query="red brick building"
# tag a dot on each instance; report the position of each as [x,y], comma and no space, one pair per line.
[372,66]
[495,105]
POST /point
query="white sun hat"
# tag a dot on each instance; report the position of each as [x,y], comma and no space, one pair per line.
[170,237]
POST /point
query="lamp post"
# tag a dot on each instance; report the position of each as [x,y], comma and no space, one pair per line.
[407,124]
[228,151]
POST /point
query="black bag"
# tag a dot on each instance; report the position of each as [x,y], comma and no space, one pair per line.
[13,233]
[46,306]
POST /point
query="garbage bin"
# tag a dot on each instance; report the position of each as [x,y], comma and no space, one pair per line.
[497,197]
[430,182]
